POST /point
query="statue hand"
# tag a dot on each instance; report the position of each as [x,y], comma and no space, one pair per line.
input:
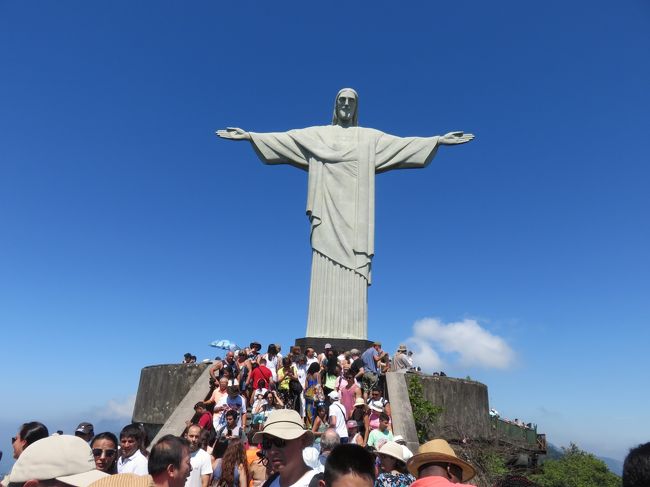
[233,133]
[453,138]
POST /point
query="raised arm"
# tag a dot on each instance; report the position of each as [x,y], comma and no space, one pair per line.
[454,138]
[233,133]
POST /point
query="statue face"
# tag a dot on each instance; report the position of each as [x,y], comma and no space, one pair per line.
[346,105]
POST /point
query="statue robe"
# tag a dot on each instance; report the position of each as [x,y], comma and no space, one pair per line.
[342,163]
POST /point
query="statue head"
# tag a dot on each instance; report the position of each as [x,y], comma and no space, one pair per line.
[346,108]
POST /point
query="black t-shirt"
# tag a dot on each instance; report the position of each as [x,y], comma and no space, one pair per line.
[356,366]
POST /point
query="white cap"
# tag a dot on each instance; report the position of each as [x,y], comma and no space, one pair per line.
[66,458]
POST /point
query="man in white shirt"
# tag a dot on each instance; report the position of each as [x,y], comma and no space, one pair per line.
[131,458]
[199,460]
[283,438]
[337,417]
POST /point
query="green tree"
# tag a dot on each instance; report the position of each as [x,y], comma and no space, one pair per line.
[576,468]
[424,413]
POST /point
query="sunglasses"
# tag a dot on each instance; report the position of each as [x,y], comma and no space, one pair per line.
[110,452]
[13,440]
[269,441]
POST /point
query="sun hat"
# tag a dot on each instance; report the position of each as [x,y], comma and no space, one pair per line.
[123,480]
[438,450]
[351,423]
[334,395]
[359,402]
[392,449]
[282,423]
[66,458]
[402,348]
[355,351]
[376,406]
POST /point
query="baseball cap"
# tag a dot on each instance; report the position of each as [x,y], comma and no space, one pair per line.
[85,428]
[334,395]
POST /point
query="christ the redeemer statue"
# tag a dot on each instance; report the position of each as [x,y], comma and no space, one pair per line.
[342,160]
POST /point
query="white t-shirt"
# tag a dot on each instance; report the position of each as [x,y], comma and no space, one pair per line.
[201,465]
[136,463]
[301,482]
[336,410]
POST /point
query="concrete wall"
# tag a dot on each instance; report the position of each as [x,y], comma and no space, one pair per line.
[161,389]
[465,407]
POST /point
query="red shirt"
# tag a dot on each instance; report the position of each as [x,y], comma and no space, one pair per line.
[261,372]
[205,421]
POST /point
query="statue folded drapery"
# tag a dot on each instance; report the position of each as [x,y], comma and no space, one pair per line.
[342,160]
[342,163]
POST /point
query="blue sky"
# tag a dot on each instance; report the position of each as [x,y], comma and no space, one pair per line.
[130,234]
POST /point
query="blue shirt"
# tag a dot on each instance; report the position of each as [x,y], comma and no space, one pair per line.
[368,358]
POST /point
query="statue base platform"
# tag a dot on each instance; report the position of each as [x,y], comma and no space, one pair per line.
[338,344]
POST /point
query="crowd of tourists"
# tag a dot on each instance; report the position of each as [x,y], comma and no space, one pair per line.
[306,419]
[282,453]
[344,390]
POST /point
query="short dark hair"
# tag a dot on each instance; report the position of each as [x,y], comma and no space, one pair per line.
[168,451]
[231,412]
[199,404]
[636,468]
[346,459]
[384,417]
[33,431]
[132,430]
[313,368]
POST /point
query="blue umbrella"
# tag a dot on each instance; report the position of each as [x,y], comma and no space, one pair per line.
[224,345]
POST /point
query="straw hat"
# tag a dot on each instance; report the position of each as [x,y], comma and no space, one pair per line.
[282,423]
[438,450]
[359,402]
[124,480]
[392,449]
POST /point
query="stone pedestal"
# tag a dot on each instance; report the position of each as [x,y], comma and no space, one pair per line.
[338,344]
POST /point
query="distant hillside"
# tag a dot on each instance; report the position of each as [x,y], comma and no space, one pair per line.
[615,466]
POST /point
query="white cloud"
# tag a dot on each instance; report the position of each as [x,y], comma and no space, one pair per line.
[465,343]
[116,409]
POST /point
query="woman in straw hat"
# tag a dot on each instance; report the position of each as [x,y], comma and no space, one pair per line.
[436,465]
[393,472]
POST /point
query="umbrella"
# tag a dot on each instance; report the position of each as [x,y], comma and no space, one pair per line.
[224,345]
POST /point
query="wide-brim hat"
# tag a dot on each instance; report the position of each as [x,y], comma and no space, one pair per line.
[282,423]
[402,348]
[124,480]
[359,402]
[376,406]
[392,449]
[66,458]
[351,423]
[438,450]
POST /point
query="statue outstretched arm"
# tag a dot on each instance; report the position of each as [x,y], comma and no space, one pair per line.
[233,133]
[454,138]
